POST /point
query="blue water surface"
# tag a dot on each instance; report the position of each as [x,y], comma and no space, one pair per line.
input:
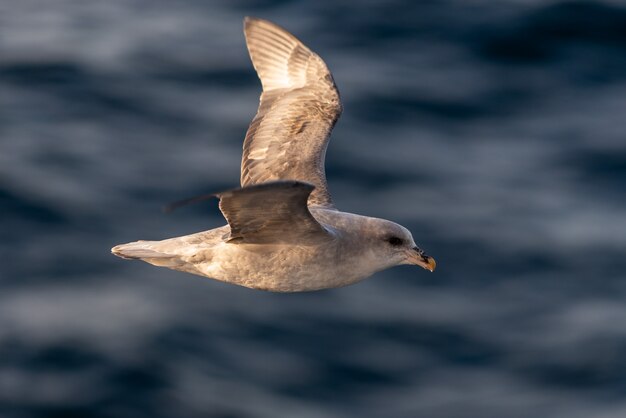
[493,130]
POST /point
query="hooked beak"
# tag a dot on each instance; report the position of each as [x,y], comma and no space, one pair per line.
[416,256]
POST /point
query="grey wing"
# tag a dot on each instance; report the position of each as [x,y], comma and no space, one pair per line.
[299,107]
[271,213]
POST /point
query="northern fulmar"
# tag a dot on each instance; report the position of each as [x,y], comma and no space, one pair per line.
[284,233]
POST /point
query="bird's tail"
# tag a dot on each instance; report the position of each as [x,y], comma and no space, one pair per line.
[148,252]
[137,250]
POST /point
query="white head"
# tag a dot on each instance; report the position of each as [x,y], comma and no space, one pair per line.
[390,244]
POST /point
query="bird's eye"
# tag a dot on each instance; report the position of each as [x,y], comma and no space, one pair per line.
[395,241]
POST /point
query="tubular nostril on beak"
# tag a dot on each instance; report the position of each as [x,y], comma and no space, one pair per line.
[430,262]
[420,258]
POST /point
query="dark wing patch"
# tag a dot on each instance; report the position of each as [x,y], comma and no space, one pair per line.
[271,213]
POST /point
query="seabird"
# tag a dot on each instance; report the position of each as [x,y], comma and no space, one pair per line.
[284,233]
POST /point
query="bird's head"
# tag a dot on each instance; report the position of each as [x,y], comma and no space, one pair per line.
[393,245]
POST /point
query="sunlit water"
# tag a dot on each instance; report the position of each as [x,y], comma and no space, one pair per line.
[493,130]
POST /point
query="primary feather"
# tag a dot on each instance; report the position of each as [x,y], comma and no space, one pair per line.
[298,109]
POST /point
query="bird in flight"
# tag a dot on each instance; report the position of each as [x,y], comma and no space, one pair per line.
[284,233]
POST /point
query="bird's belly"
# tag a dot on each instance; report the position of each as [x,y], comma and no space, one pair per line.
[279,268]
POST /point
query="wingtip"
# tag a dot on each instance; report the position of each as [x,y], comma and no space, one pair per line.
[249,21]
[170,207]
[280,184]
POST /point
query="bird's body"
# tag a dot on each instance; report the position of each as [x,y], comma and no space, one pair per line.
[342,259]
[284,233]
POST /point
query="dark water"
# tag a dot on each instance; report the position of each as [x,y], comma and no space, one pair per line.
[493,130]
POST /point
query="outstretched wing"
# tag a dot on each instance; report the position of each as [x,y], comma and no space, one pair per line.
[299,106]
[271,213]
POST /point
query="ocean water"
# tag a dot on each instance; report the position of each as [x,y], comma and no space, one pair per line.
[493,130]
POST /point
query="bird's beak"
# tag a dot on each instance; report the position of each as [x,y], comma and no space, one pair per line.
[417,257]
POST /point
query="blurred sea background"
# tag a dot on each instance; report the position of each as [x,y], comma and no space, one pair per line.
[493,130]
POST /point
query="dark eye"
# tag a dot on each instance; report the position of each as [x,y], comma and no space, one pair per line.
[395,241]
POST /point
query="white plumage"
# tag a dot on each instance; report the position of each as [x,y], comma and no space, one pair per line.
[284,233]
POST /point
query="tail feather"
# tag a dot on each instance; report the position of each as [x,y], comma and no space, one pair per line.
[166,253]
[137,250]
[141,250]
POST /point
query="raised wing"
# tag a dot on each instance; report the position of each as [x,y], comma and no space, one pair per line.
[271,213]
[299,106]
